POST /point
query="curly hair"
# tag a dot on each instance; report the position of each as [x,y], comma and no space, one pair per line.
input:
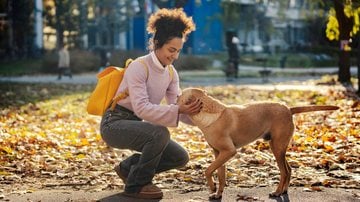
[167,24]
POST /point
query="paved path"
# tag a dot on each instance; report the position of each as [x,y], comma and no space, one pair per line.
[212,77]
[231,194]
[206,78]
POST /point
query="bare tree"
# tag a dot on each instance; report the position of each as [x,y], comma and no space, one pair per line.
[21,32]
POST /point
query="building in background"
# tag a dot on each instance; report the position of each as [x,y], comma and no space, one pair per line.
[261,25]
[266,26]
[208,36]
[290,24]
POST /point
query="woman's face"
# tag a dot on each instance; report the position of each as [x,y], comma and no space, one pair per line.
[170,51]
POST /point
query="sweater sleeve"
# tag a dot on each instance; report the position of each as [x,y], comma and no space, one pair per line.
[165,115]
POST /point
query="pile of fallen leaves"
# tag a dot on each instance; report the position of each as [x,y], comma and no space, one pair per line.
[48,140]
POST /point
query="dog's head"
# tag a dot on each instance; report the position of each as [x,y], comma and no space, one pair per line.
[189,95]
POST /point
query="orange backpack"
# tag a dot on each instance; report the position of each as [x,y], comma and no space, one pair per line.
[108,83]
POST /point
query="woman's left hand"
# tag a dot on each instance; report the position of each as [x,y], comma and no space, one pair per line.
[191,108]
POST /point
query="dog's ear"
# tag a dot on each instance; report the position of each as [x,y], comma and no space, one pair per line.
[198,91]
[205,92]
[190,99]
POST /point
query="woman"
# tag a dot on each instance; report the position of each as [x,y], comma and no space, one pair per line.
[139,122]
[64,62]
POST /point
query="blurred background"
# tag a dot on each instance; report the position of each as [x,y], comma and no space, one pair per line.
[271,33]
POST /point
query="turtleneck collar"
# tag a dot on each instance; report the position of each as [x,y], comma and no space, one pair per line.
[156,61]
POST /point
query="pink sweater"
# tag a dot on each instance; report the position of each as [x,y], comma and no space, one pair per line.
[147,91]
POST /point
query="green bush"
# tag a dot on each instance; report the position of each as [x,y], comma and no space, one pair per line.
[119,57]
[298,60]
[185,62]
[80,61]
[20,67]
[50,62]
[84,61]
[191,62]
[304,60]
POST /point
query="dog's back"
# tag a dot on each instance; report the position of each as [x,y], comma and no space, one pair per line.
[246,123]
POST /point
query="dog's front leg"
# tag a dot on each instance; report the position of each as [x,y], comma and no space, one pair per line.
[224,155]
[221,177]
[210,180]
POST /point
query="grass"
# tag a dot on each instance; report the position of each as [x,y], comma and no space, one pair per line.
[292,60]
[18,94]
[20,67]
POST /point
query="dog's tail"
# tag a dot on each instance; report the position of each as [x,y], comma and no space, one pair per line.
[311,108]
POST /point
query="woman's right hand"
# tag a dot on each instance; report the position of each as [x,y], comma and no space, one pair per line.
[191,108]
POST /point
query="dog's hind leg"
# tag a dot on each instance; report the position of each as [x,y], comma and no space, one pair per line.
[287,182]
[279,151]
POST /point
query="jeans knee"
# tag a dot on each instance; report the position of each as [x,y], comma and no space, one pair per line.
[180,159]
[162,135]
[184,160]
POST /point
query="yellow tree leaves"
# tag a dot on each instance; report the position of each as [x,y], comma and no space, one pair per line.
[332,27]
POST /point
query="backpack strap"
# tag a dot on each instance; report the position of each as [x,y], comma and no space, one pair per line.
[124,94]
[146,68]
[171,71]
[128,61]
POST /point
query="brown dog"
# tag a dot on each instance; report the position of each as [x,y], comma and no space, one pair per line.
[228,127]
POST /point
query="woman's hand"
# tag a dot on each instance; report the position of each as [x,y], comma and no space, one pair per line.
[191,108]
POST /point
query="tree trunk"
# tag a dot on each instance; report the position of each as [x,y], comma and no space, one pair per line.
[59,27]
[358,61]
[358,80]
[345,27]
[10,45]
[344,67]
[83,38]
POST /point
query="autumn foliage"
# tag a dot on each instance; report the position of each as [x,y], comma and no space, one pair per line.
[48,140]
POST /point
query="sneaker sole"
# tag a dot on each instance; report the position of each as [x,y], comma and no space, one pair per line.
[143,195]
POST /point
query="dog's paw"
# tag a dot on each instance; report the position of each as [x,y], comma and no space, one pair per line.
[215,197]
[213,188]
[275,194]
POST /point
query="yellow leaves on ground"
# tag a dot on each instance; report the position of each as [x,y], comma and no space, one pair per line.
[54,142]
[49,138]
[322,144]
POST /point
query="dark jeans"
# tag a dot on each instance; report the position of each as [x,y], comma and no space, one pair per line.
[66,71]
[232,70]
[123,130]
